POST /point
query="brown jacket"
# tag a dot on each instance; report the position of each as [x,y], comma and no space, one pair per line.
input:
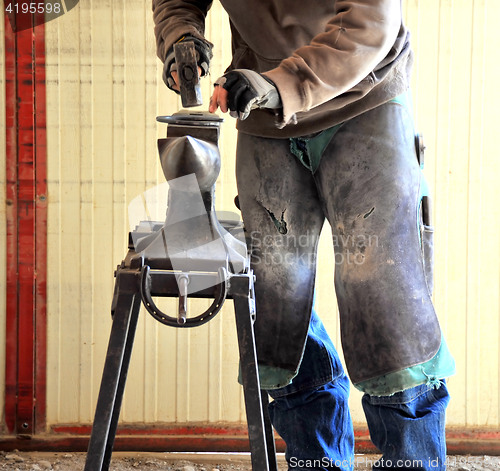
[330,60]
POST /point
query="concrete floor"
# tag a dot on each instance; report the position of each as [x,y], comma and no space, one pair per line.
[38,461]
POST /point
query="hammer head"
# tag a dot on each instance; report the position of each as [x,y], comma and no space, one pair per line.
[187,70]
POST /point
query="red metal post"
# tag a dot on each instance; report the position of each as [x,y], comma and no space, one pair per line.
[11,225]
[26,230]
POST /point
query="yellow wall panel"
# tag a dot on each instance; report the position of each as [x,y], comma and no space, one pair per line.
[104,91]
[104,97]
[456,102]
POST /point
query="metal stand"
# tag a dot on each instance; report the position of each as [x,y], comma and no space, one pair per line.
[136,281]
[190,248]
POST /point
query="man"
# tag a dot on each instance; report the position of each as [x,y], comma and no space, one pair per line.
[320,90]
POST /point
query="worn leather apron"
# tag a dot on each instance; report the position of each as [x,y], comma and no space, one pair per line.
[367,185]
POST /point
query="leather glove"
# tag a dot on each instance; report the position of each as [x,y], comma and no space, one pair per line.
[203,52]
[248,90]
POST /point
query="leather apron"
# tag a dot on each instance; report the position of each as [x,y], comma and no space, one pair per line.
[367,186]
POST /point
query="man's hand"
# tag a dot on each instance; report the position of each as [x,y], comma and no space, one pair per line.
[203,52]
[241,91]
[218,99]
[175,76]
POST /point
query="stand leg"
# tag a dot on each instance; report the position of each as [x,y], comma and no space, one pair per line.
[113,382]
[259,434]
[268,430]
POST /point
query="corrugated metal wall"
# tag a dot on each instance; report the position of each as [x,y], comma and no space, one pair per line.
[457,103]
[104,91]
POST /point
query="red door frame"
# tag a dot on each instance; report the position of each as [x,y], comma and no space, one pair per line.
[26,222]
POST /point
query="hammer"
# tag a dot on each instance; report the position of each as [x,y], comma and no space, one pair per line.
[187,70]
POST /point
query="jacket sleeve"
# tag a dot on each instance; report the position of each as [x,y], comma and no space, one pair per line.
[357,39]
[176,18]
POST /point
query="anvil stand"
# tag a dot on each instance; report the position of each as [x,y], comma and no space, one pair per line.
[143,274]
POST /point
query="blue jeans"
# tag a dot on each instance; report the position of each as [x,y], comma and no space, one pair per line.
[312,416]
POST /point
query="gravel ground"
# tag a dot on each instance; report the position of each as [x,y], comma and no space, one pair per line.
[35,461]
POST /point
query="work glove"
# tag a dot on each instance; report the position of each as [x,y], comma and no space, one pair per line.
[248,90]
[203,53]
